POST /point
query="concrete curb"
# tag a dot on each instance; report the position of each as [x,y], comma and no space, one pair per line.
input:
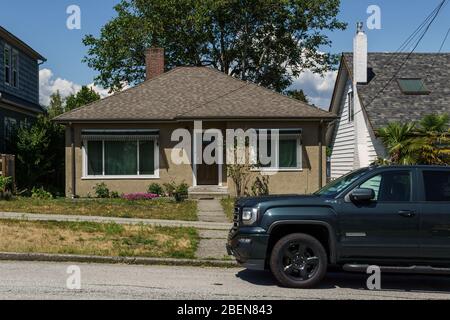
[44,257]
[132,221]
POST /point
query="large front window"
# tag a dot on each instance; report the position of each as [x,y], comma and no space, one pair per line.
[121,157]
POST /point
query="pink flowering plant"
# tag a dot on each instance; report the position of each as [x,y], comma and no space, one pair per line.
[139,196]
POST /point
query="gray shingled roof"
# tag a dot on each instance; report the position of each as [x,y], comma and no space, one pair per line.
[194,93]
[392,104]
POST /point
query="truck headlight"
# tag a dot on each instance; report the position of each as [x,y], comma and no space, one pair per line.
[249,215]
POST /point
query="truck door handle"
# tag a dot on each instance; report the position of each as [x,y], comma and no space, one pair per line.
[407,213]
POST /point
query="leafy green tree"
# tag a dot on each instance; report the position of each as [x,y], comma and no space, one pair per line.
[81,98]
[269,42]
[40,156]
[56,106]
[298,95]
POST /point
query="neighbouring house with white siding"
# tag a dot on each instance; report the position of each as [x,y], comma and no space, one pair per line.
[373,89]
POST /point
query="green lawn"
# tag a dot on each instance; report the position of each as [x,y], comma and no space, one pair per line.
[146,209]
[87,238]
[228,207]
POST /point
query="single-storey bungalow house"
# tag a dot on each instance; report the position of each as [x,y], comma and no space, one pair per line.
[125,140]
[373,89]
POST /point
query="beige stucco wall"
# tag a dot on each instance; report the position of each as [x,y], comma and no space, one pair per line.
[293,182]
[302,181]
[167,170]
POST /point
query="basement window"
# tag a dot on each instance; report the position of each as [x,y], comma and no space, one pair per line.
[413,86]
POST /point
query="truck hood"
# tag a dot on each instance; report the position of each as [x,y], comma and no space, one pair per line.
[294,199]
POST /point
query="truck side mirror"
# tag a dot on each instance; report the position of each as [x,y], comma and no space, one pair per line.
[362,194]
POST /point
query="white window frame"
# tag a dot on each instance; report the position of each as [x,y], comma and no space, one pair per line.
[86,176]
[285,136]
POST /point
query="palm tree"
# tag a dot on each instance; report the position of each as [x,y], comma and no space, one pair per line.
[435,123]
[434,135]
[428,143]
[400,142]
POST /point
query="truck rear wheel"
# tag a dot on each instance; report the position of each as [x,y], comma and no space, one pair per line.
[298,261]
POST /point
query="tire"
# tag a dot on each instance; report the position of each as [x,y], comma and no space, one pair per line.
[298,261]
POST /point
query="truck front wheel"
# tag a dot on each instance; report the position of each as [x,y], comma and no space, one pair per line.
[298,261]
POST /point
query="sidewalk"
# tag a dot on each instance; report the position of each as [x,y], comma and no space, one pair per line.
[202,225]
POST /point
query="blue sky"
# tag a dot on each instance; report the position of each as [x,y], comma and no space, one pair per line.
[42,24]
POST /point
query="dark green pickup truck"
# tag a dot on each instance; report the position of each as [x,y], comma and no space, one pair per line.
[395,217]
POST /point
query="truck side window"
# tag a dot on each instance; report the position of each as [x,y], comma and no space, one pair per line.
[437,186]
[373,183]
[393,186]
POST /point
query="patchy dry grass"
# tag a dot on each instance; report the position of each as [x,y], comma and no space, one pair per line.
[88,238]
[228,207]
[146,209]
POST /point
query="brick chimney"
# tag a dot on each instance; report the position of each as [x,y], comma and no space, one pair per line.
[154,62]
[360,55]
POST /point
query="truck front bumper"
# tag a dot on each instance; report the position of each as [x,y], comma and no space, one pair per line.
[249,247]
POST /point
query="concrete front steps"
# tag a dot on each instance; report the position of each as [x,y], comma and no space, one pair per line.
[208,192]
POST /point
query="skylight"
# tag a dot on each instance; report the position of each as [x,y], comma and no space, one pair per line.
[412,86]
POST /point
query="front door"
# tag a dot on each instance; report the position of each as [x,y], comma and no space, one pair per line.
[435,229]
[388,226]
[207,174]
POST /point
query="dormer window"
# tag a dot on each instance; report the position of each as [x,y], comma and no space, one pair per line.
[413,86]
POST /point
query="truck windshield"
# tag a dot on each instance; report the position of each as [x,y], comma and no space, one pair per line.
[336,186]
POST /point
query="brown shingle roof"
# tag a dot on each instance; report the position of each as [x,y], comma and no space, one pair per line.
[194,93]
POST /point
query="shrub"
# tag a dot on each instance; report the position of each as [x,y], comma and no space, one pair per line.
[170,188]
[178,191]
[5,184]
[101,190]
[156,188]
[261,186]
[139,196]
[115,195]
[181,192]
[40,193]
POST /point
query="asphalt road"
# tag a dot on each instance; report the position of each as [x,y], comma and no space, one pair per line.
[37,280]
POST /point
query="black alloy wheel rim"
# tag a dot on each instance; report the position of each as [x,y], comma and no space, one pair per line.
[299,261]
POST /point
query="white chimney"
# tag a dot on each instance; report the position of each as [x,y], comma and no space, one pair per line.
[360,55]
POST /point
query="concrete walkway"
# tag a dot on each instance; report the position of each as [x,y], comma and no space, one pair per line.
[212,242]
[211,211]
[202,225]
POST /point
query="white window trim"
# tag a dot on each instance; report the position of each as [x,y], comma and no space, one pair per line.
[299,167]
[85,170]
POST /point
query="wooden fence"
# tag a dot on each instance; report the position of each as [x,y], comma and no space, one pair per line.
[8,166]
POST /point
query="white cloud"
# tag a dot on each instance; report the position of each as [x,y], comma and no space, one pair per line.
[318,89]
[48,85]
